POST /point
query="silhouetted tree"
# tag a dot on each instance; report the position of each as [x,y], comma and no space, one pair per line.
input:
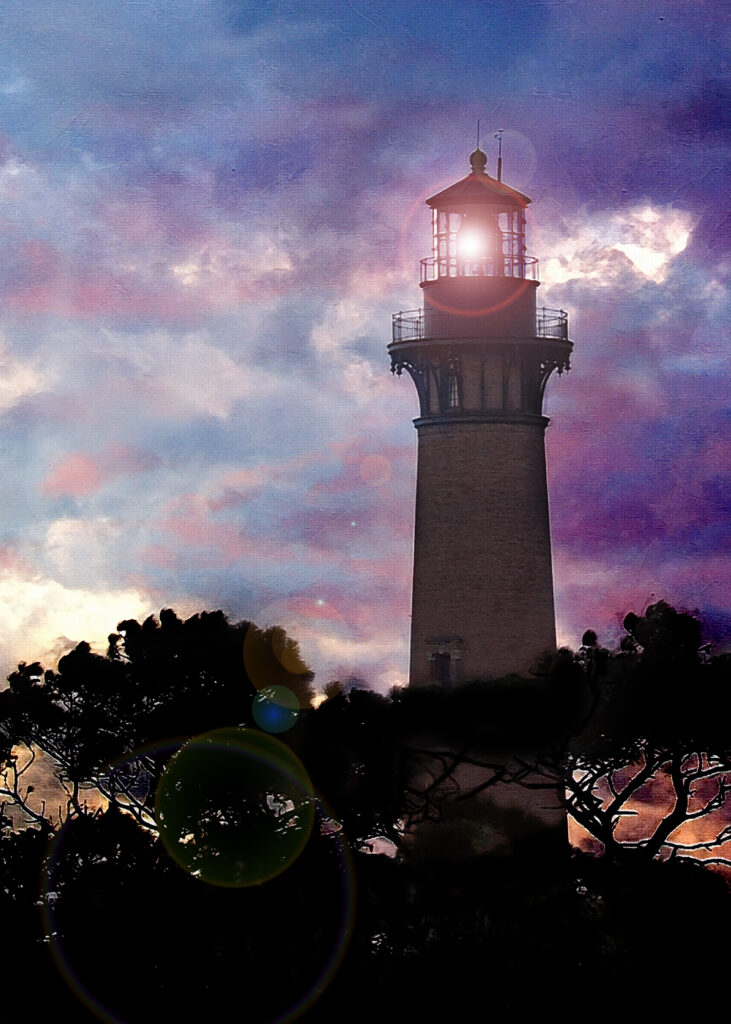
[161,682]
[352,747]
[638,743]
[519,936]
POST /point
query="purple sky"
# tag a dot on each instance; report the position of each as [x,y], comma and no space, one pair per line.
[210,211]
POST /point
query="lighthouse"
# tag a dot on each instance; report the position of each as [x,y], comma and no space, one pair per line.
[480,353]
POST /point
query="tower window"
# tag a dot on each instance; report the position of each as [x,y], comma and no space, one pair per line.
[453,392]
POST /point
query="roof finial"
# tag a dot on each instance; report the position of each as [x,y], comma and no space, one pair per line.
[499,137]
[478,162]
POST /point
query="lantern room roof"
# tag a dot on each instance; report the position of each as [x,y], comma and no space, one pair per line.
[478,187]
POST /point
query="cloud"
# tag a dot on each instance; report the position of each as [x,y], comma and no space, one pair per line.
[42,618]
[345,632]
[170,367]
[18,379]
[197,286]
[76,475]
[596,593]
[647,236]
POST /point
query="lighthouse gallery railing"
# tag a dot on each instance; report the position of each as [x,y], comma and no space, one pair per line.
[414,325]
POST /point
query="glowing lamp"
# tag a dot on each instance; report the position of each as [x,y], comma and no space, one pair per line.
[471,244]
[477,238]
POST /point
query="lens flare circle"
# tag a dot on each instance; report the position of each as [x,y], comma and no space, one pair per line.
[275,709]
[91,948]
[271,657]
[235,807]
[375,470]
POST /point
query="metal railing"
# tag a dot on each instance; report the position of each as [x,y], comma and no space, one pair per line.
[552,323]
[434,268]
[416,325]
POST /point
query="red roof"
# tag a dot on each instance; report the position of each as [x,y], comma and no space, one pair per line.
[478,188]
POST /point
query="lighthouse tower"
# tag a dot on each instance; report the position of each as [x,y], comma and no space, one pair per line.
[480,354]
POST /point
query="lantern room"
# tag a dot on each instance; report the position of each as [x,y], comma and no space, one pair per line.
[478,229]
[479,267]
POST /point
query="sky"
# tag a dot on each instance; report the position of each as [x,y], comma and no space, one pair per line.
[209,212]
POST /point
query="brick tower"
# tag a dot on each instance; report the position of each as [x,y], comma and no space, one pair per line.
[480,355]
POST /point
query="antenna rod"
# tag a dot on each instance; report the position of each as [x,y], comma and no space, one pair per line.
[499,137]
[478,133]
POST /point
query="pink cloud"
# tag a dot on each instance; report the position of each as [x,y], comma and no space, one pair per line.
[365,465]
[368,517]
[221,543]
[238,487]
[366,615]
[377,599]
[308,606]
[81,291]
[122,459]
[160,556]
[77,475]
[12,561]
[198,531]
[151,219]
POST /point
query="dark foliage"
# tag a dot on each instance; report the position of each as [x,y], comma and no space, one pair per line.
[99,915]
[139,939]
[161,683]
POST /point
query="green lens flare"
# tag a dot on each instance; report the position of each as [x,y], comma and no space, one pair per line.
[235,807]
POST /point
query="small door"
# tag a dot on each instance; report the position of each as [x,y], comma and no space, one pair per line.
[441,668]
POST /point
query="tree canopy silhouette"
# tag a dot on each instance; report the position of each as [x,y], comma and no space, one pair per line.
[636,744]
[111,722]
[638,735]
